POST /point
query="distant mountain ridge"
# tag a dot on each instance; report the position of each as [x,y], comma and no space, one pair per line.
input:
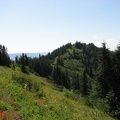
[32,55]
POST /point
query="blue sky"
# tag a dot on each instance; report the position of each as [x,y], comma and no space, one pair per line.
[44,25]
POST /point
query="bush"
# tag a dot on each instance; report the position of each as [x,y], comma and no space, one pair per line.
[40,94]
[35,73]
[36,87]
[93,100]
[70,94]
[89,102]
[23,80]
[12,66]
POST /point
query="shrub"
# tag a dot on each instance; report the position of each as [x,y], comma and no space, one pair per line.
[70,94]
[36,87]
[40,94]
[99,103]
[12,66]
[22,80]
[89,102]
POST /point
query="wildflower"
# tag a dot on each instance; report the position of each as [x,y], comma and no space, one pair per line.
[2,115]
[25,86]
[43,98]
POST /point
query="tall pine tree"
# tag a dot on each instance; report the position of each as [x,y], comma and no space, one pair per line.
[105,72]
[4,57]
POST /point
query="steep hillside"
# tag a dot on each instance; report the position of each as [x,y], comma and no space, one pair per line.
[29,97]
[72,63]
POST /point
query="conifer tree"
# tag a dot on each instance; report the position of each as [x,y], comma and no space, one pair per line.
[23,69]
[105,72]
[116,82]
[4,57]
[84,84]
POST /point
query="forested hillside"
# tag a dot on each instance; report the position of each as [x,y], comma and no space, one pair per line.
[84,70]
[68,65]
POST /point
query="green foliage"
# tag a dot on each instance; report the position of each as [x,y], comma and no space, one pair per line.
[100,104]
[3,106]
[105,94]
[105,76]
[12,66]
[40,65]
[60,51]
[73,65]
[28,84]
[74,61]
[4,58]
[70,94]
[43,101]
[23,80]
[40,94]
[60,77]
[1,95]
[85,84]
[112,101]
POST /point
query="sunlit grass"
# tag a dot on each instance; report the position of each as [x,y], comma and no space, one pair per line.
[19,103]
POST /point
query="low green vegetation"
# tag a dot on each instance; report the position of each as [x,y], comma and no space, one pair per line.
[29,97]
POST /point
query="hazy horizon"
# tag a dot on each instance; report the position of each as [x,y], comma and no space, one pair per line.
[28,26]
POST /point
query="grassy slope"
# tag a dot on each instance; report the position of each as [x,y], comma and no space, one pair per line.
[18,103]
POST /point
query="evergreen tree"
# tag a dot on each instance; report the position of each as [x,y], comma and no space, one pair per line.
[60,61]
[4,57]
[116,82]
[17,60]
[84,84]
[76,82]
[23,69]
[65,79]
[105,72]
[57,75]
